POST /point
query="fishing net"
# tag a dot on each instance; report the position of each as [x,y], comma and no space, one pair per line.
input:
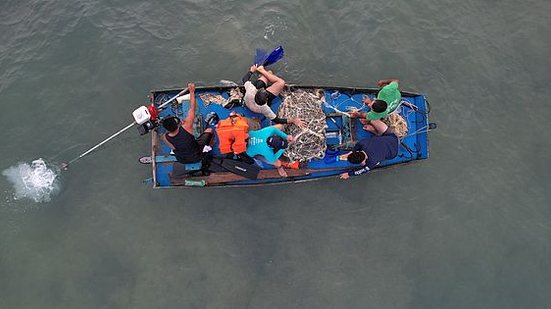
[309,141]
[398,124]
[208,98]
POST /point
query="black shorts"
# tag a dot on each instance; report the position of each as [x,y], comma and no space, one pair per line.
[259,84]
[269,97]
[204,139]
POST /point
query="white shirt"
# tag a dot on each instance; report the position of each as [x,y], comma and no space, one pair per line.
[250,92]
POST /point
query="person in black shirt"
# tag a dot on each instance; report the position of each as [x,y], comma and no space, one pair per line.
[370,152]
[180,137]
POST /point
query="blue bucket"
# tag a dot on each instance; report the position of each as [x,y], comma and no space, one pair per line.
[331,155]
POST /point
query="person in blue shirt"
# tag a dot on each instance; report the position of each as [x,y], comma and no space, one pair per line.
[269,143]
[371,152]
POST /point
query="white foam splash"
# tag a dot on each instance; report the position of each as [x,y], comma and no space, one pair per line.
[35,181]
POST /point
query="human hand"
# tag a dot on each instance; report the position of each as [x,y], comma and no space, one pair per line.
[191,87]
[298,122]
[260,68]
[367,100]
[384,82]
[290,138]
[344,176]
[253,68]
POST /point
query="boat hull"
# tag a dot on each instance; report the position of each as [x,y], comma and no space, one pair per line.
[413,148]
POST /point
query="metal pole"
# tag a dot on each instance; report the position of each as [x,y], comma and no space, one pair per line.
[65,165]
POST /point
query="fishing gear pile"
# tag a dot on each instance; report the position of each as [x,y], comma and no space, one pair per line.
[234,99]
[398,124]
[310,141]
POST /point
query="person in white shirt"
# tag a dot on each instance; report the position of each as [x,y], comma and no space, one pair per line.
[259,96]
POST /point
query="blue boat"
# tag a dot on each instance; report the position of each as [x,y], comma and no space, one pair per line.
[341,133]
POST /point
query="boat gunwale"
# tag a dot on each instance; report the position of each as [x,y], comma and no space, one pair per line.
[287,182]
[290,86]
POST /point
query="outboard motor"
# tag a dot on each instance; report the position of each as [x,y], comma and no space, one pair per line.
[146,118]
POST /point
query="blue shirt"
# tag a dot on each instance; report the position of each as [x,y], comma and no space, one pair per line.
[257,144]
[378,149]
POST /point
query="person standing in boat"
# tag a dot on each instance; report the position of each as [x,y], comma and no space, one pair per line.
[372,151]
[259,96]
[388,99]
[269,143]
[180,137]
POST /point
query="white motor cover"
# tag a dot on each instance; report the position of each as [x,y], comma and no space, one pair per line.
[141,115]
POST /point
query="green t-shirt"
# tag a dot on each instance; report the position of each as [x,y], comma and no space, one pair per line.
[391,95]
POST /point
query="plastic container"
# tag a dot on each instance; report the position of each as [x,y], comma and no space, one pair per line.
[195,183]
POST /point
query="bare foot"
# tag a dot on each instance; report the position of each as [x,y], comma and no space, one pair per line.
[282,172]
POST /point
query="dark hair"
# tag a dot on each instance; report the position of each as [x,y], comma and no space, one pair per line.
[277,142]
[261,97]
[171,123]
[356,157]
[379,106]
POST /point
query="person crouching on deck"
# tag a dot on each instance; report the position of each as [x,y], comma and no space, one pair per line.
[269,143]
[388,99]
[259,96]
[370,152]
[180,137]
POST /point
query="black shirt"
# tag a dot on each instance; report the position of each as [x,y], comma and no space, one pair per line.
[187,150]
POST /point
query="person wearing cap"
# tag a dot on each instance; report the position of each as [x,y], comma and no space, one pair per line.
[179,136]
[259,96]
[370,152]
[269,143]
[388,99]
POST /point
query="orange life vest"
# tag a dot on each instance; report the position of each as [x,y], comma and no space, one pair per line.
[232,134]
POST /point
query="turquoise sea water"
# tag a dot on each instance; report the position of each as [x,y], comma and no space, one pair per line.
[469,228]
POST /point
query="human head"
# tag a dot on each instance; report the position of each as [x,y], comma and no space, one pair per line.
[379,106]
[261,97]
[357,157]
[277,142]
[171,124]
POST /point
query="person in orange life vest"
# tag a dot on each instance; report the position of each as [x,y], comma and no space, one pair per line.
[232,134]
[180,137]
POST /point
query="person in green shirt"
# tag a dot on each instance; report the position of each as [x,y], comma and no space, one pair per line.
[388,99]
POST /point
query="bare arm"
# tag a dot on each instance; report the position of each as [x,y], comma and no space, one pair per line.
[358,114]
[384,82]
[190,118]
[278,82]
[271,77]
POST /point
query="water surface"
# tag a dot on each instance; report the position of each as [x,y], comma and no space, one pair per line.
[469,228]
